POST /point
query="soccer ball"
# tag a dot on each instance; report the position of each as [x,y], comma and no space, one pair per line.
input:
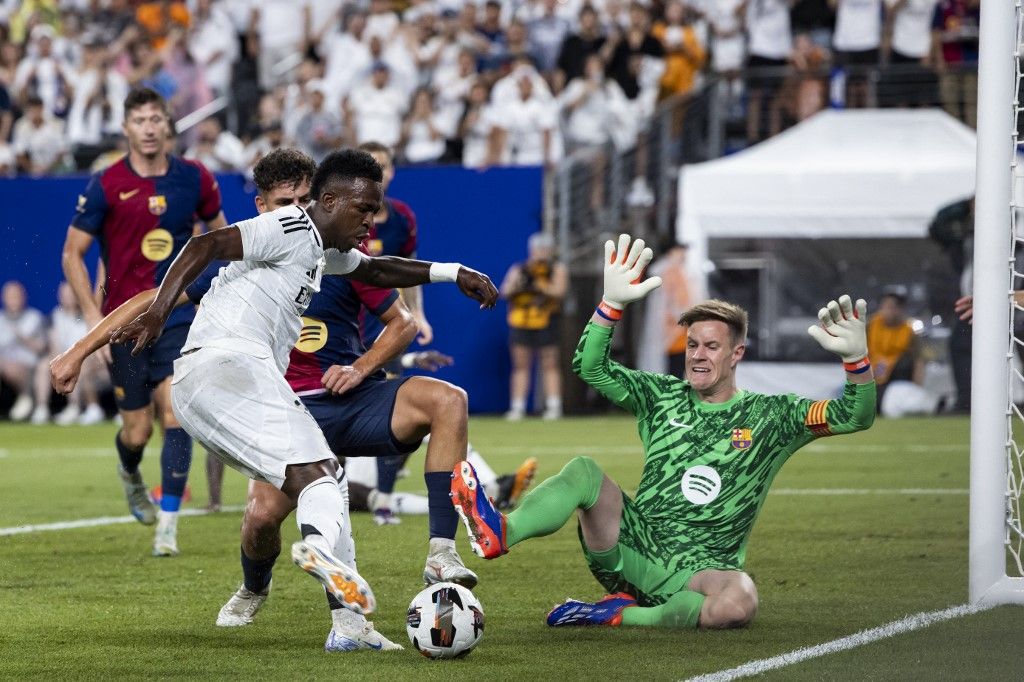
[445,621]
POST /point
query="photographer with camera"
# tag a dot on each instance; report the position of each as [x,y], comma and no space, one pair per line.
[534,289]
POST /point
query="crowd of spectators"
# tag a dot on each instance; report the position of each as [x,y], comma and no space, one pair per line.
[480,82]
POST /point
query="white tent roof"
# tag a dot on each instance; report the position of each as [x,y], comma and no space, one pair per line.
[859,173]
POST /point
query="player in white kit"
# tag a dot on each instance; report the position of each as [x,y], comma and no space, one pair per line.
[229,390]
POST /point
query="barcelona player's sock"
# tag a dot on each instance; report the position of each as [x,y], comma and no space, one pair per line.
[175,459]
[387,473]
[443,517]
[547,507]
[129,458]
[256,573]
[682,610]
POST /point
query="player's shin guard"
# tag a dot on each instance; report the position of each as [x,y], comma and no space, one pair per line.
[547,507]
[175,460]
[682,610]
[443,517]
[319,512]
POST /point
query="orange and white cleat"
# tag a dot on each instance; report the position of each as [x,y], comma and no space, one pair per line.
[342,581]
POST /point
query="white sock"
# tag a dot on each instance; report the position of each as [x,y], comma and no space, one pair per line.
[321,508]
[345,548]
[554,404]
[441,544]
[518,405]
[167,518]
[382,501]
[409,503]
[347,622]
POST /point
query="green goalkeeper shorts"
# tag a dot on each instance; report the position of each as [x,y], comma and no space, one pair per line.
[636,565]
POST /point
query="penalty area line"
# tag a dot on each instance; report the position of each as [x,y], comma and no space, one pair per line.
[898,627]
[100,521]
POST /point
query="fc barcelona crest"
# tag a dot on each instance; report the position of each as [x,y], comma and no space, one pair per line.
[158,204]
[742,439]
[375,247]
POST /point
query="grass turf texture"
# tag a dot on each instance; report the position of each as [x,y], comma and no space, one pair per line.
[88,603]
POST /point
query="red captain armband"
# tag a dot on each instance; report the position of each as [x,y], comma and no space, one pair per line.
[609,313]
[858,367]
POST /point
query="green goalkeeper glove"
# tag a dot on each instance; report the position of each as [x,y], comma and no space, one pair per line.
[842,329]
[623,268]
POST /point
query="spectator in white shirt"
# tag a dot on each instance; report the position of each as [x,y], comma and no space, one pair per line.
[43,73]
[216,148]
[374,110]
[452,87]
[475,127]
[39,141]
[98,105]
[212,45]
[525,129]
[769,48]
[912,80]
[22,342]
[382,21]
[855,42]
[67,326]
[423,136]
[281,30]
[346,56]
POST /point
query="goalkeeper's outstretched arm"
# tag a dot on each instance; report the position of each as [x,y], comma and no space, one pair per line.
[623,268]
[842,330]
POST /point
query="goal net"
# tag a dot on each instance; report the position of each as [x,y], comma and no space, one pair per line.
[997,422]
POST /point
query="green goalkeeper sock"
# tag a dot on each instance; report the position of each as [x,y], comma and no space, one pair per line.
[547,507]
[682,610]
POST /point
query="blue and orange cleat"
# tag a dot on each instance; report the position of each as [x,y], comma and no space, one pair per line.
[486,525]
[607,611]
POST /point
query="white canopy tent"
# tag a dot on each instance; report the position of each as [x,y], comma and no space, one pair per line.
[861,174]
[857,173]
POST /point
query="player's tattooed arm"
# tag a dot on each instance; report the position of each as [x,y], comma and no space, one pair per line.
[400,273]
[199,252]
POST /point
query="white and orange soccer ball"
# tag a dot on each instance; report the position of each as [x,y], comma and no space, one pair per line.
[445,620]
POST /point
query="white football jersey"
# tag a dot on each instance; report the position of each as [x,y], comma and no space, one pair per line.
[254,305]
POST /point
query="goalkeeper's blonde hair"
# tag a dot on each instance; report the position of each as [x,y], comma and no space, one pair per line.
[722,311]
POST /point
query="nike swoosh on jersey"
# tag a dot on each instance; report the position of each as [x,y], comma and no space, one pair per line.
[125,196]
[680,425]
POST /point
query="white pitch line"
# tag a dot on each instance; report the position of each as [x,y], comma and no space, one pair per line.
[99,521]
[898,627]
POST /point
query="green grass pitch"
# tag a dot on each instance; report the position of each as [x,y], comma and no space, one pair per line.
[91,603]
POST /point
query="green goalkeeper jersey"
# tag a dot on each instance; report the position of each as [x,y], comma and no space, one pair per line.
[708,466]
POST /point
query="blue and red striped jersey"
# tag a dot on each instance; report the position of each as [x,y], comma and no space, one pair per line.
[142,223]
[330,330]
[396,236]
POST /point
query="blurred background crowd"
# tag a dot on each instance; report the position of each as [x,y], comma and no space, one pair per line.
[510,82]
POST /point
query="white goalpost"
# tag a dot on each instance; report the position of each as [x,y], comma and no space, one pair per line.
[996,573]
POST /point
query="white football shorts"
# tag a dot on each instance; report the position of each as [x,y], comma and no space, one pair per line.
[242,410]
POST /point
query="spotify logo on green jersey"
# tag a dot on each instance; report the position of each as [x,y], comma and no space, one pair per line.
[701,484]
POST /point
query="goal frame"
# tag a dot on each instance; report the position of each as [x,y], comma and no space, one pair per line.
[994,280]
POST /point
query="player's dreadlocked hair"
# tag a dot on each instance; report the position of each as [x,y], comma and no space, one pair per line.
[283,166]
[142,96]
[733,316]
[347,163]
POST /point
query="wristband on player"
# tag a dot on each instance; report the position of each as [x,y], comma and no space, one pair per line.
[858,367]
[608,312]
[444,272]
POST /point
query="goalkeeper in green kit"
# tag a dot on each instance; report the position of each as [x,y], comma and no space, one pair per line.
[673,556]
